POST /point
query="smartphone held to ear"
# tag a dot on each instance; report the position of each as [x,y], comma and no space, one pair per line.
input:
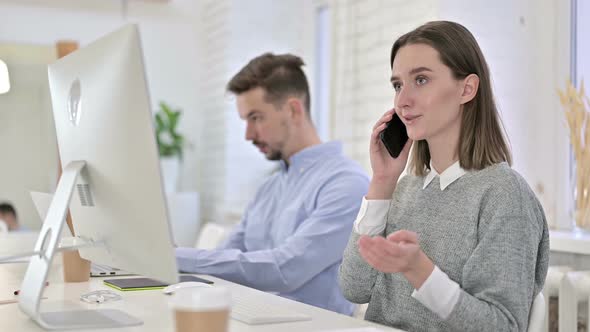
[395,136]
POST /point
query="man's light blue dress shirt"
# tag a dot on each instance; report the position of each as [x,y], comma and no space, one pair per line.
[292,235]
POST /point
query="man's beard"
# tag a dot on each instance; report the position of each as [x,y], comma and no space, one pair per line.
[270,154]
[274,155]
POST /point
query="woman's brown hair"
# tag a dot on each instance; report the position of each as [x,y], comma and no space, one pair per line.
[482,140]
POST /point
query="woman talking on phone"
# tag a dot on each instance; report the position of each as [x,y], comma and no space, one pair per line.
[460,243]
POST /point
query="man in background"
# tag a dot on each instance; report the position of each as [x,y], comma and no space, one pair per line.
[292,234]
[9,217]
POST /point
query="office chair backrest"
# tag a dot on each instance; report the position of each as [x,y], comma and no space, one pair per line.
[537,314]
[211,235]
[3,227]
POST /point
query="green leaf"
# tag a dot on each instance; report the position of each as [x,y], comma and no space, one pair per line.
[166,120]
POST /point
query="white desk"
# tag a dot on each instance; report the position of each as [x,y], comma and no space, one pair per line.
[151,306]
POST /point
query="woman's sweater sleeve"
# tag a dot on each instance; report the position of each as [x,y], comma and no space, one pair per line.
[496,287]
[356,277]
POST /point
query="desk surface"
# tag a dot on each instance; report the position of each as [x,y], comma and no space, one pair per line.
[151,306]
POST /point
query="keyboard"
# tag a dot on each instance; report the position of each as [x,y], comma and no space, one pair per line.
[249,309]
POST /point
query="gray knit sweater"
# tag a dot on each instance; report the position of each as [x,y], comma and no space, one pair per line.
[486,231]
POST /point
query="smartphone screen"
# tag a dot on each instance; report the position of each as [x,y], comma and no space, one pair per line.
[395,136]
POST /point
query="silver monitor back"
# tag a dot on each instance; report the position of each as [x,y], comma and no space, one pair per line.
[103,116]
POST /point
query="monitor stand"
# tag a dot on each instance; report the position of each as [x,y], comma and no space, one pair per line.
[38,269]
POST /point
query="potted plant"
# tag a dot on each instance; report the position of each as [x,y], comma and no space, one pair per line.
[170,144]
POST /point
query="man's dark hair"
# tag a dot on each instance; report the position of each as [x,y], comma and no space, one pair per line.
[280,76]
[7,208]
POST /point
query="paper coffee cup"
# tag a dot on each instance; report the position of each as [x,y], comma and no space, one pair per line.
[203,309]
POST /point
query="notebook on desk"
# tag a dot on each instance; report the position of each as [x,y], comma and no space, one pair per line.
[141,283]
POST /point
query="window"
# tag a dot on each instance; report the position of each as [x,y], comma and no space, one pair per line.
[580,42]
[4,78]
[579,68]
[322,73]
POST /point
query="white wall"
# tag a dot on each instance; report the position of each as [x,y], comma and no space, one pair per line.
[523,42]
[233,33]
[364,33]
[28,160]
[214,38]
[169,38]
[193,48]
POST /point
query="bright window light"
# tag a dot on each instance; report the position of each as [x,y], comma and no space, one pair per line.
[4,80]
[323,55]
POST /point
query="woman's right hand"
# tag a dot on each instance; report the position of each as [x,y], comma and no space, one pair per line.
[386,170]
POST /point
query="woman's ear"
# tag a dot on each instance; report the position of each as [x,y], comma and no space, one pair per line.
[470,86]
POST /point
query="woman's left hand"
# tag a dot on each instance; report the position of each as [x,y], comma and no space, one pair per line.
[399,252]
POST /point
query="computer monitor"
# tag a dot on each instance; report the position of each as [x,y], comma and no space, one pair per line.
[111,180]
